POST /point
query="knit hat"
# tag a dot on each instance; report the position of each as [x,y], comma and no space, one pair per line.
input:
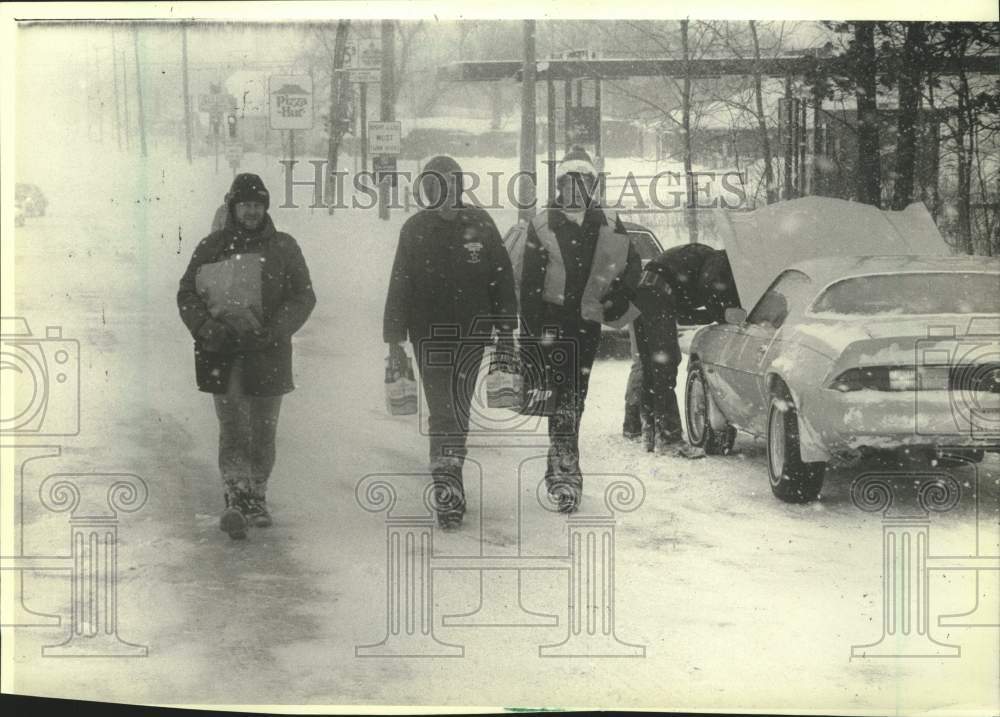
[576,160]
[248,188]
[441,168]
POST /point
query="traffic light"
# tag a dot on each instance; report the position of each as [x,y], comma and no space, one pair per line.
[231,120]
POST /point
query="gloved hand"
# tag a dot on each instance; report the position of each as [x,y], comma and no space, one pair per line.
[397,358]
[242,320]
[257,340]
[216,336]
[506,355]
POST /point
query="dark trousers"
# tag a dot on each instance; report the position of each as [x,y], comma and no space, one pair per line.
[248,426]
[660,353]
[448,373]
[633,388]
[580,340]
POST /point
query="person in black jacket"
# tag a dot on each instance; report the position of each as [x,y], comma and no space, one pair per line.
[690,284]
[245,292]
[450,290]
[578,272]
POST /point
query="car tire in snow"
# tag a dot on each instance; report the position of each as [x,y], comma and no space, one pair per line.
[699,429]
[792,479]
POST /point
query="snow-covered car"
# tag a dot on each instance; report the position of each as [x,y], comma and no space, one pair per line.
[845,354]
[34,202]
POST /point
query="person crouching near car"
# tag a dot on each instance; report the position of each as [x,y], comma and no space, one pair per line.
[245,292]
[578,272]
[450,273]
[690,284]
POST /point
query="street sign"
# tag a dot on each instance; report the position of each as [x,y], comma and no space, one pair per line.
[384,137]
[385,169]
[361,75]
[369,53]
[351,54]
[216,103]
[290,101]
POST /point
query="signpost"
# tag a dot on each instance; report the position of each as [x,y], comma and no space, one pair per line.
[290,105]
[234,154]
[216,103]
[385,169]
[385,137]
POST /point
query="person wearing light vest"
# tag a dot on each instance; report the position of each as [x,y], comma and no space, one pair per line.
[578,271]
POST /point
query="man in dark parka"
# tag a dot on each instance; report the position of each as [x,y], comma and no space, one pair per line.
[246,291]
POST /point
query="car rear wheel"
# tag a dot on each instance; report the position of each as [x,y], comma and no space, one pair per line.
[792,480]
[699,427]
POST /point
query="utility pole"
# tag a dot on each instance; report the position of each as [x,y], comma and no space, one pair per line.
[363,102]
[388,110]
[187,91]
[339,86]
[526,187]
[138,92]
[114,72]
[128,141]
[550,116]
[789,139]
[99,96]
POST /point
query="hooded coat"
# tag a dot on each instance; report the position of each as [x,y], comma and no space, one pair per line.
[285,302]
[449,276]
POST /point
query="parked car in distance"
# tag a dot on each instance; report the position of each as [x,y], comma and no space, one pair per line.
[848,355]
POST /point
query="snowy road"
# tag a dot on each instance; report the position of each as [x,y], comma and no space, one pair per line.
[737,598]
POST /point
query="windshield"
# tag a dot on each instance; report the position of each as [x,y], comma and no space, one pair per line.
[915,293]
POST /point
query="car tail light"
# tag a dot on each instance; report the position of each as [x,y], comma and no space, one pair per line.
[894,378]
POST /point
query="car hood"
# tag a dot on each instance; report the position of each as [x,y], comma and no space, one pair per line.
[761,243]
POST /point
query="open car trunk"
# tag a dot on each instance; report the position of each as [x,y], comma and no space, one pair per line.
[761,243]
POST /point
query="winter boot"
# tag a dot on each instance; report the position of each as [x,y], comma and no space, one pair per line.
[449,495]
[564,484]
[257,512]
[566,496]
[667,436]
[648,434]
[233,519]
[685,450]
[632,426]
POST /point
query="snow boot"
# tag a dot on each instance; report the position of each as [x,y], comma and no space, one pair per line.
[233,519]
[566,496]
[648,434]
[686,450]
[449,495]
[632,426]
[564,483]
[257,512]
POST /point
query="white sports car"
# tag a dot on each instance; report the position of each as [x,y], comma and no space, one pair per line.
[845,354]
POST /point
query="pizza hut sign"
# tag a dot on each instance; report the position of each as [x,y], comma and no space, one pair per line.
[290,101]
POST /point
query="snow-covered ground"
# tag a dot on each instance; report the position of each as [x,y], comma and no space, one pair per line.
[740,601]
